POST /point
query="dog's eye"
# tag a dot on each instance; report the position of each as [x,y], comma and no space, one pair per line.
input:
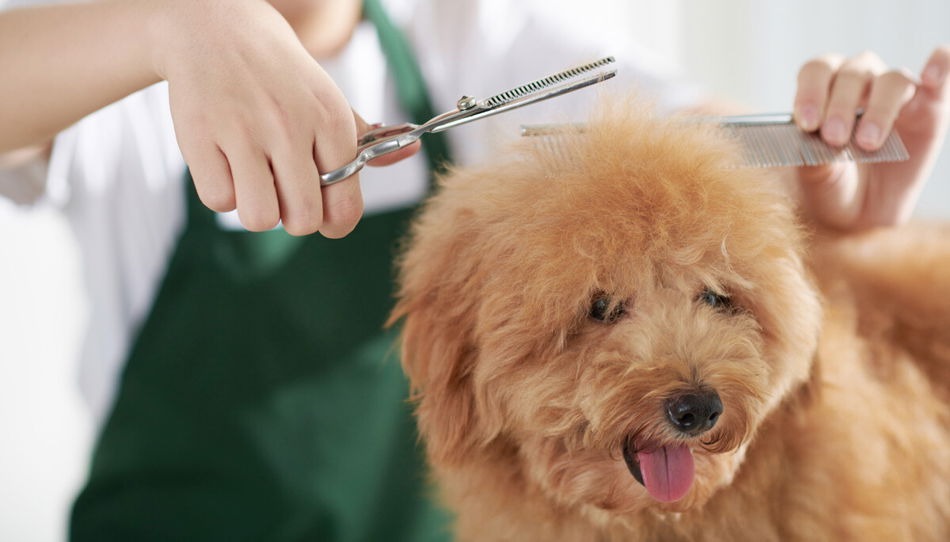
[601,309]
[722,303]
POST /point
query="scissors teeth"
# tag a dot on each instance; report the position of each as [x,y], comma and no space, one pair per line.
[387,139]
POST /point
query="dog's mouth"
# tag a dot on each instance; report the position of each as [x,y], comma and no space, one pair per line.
[666,471]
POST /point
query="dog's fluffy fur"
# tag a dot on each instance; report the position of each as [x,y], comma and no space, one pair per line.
[831,356]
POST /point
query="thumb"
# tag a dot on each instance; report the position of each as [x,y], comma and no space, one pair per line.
[362,127]
[933,79]
[927,111]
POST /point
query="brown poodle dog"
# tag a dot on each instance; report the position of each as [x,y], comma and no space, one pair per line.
[623,338]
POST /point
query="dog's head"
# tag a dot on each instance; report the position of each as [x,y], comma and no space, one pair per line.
[613,315]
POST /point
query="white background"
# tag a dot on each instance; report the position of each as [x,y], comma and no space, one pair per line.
[744,50]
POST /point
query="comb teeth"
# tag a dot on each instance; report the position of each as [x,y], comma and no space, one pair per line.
[540,84]
[778,145]
[561,145]
[766,141]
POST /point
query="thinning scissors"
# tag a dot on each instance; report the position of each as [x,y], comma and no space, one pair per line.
[387,139]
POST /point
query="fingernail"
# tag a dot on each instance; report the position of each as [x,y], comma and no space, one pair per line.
[808,117]
[834,131]
[933,75]
[869,135]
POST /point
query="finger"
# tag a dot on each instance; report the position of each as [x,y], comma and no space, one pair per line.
[212,178]
[254,190]
[890,92]
[362,127]
[396,156]
[335,145]
[848,89]
[814,80]
[297,183]
[342,204]
[923,121]
[934,76]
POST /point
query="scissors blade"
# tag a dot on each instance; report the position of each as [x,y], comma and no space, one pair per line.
[469,109]
[546,82]
[535,97]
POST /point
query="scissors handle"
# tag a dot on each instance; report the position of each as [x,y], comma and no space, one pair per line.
[370,151]
[383,131]
[385,139]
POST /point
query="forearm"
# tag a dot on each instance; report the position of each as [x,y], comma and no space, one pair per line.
[60,63]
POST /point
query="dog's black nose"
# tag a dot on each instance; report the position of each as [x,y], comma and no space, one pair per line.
[694,413]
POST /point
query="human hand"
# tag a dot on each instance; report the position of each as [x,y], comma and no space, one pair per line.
[831,89]
[257,118]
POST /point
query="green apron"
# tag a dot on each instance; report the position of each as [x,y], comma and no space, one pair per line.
[260,400]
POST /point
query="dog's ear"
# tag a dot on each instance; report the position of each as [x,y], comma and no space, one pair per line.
[439,361]
[436,306]
[788,308]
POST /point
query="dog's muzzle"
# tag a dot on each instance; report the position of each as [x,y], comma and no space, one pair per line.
[694,413]
[666,469]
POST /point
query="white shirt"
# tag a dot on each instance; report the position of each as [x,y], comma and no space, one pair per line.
[117,174]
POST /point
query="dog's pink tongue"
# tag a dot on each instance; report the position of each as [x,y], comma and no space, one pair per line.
[667,472]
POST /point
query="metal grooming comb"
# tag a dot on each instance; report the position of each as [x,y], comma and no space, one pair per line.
[771,140]
[386,139]
[774,141]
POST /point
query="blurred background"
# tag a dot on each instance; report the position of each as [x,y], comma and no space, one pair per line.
[742,50]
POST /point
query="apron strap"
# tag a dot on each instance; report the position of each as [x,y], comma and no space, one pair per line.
[410,85]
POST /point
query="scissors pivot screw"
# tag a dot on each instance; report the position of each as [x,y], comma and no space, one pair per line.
[465,103]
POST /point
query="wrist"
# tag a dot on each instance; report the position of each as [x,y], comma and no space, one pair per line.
[163,21]
[181,29]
